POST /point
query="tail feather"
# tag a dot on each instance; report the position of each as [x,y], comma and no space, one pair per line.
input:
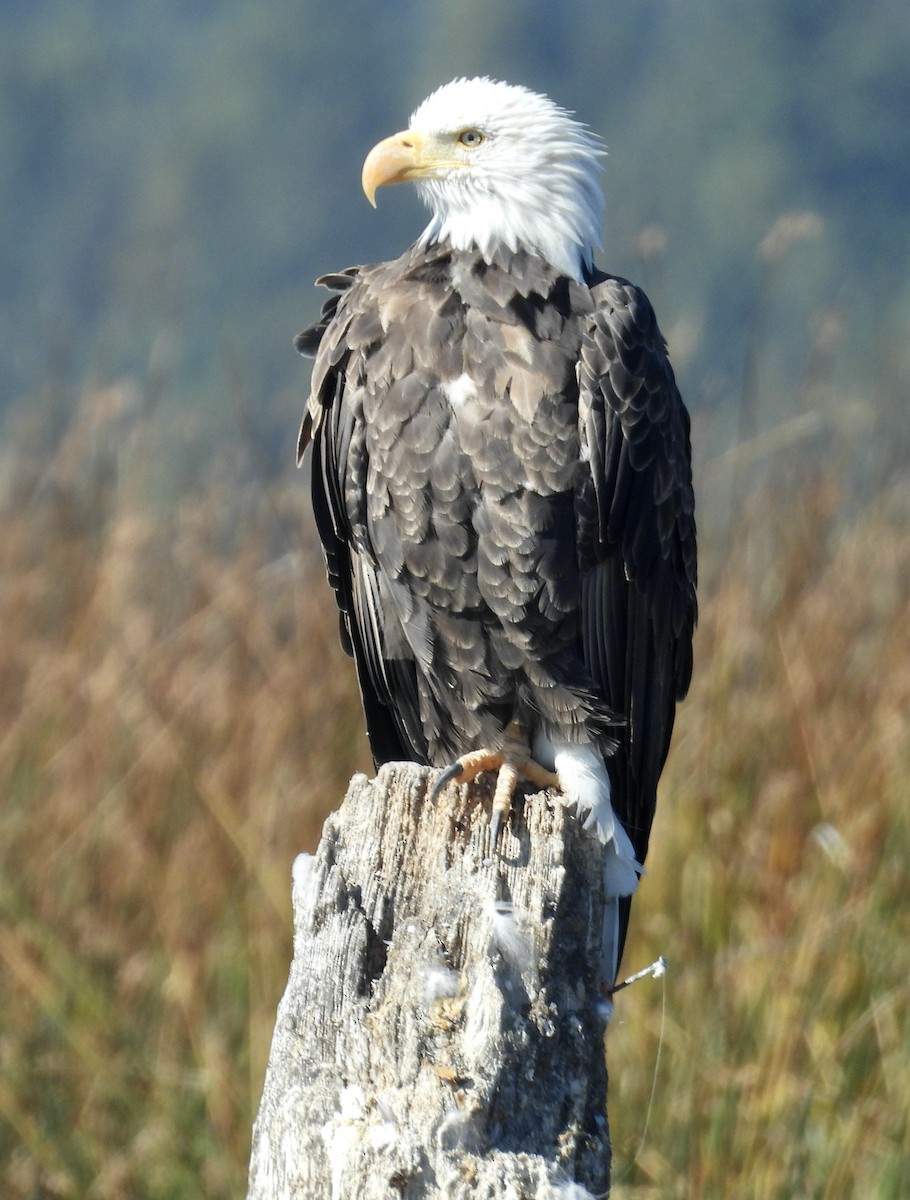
[585,782]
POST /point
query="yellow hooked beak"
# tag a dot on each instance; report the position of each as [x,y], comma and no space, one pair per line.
[400,158]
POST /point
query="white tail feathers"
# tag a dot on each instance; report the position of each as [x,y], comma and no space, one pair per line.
[621,868]
[584,779]
[586,784]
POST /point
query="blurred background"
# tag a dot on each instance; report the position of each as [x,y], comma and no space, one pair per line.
[177,717]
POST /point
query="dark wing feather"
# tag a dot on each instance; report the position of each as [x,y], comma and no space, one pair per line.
[636,540]
[333,425]
[634,509]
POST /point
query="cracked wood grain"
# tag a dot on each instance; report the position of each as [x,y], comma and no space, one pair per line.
[441,1034]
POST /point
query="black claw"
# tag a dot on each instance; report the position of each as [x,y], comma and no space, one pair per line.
[495,826]
[455,771]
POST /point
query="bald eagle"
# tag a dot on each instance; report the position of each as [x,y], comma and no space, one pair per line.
[501,477]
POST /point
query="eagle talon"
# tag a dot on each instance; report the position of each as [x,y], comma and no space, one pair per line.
[510,769]
[506,783]
[496,819]
[455,771]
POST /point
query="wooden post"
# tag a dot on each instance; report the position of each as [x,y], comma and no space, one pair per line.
[441,1034]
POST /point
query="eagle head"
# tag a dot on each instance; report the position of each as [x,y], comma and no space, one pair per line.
[498,164]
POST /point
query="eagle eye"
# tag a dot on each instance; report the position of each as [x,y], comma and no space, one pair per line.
[470,138]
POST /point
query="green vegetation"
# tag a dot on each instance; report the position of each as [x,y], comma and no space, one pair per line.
[177,715]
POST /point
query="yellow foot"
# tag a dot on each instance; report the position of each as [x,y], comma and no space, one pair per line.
[511,767]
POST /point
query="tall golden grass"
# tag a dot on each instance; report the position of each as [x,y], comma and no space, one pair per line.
[177,718]
[778,881]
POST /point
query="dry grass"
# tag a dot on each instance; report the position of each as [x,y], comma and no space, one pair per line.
[177,717]
[777,885]
[176,720]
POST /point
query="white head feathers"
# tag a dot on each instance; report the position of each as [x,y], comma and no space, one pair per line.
[531,178]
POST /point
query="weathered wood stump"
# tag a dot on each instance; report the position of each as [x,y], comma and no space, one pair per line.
[441,1034]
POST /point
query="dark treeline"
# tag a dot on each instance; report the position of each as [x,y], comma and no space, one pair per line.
[176,174]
